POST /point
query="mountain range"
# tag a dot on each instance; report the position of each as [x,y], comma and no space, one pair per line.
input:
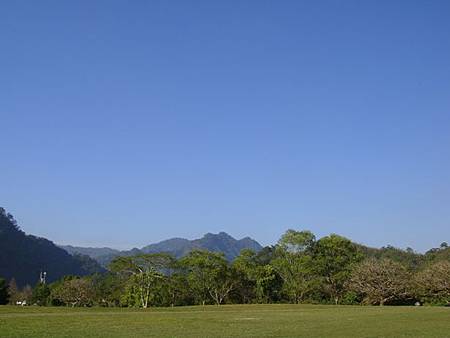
[178,247]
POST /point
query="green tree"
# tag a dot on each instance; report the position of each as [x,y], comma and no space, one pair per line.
[408,258]
[176,290]
[41,294]
[254,278]
[294,263]
[144,271]
[209,275]
[108,288]
[297,241]
[334,257]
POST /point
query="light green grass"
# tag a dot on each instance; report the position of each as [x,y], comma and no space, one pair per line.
[227,321]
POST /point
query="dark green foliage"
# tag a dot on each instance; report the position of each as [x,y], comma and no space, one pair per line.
[4,294]
[408,257]
[438,254]
[108,289]
[41,294]
[334,257]
[210,276]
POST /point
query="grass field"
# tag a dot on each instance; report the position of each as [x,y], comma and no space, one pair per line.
[227,321]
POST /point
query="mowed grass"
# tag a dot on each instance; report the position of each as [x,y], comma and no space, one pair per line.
[227,321]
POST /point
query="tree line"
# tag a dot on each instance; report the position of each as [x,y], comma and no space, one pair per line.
[298,269]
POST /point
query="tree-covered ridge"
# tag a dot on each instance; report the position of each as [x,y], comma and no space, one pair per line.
[23,256]
[94,253]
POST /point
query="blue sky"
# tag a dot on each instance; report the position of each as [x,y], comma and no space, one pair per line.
[125,123]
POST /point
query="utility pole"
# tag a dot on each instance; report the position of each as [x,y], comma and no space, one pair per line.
[42,277]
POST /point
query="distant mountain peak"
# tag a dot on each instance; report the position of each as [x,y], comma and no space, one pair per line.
[179,247]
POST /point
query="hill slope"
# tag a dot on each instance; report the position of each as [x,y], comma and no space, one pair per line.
[88,251]
[25,256]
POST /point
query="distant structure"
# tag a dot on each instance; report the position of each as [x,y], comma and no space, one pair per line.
[42,277]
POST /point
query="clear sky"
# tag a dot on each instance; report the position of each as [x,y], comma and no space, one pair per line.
[127,122]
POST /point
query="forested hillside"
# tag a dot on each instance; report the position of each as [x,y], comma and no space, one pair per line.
[23,256]
[94,253]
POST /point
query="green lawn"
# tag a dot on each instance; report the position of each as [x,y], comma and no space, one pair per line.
[227,321]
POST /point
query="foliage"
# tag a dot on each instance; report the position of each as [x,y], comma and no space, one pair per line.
[74,292]
[209,275]
[294,263]
[41,294]
[433,283]
[408,258]
[4,295]
[257,282]
[297,242]
[381,282]
[334,257]
[145,271]
[108,289]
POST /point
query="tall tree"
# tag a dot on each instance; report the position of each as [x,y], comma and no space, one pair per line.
[334,257]
[256,278]
[297,242]
[108,288]
[294,264]
[209,275]
[177,291]
[145,270]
